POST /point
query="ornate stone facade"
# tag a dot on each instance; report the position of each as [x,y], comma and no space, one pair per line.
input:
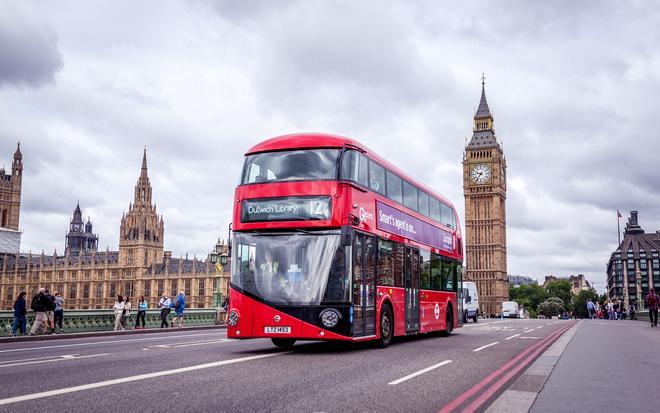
[80,237]
[484,187]
[92,279]
[10,192]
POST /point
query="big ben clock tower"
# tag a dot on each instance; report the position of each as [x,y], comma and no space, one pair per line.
[484,187]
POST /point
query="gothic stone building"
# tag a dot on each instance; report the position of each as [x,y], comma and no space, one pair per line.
[484,187]
[89,279]
[634,267]
[10,192]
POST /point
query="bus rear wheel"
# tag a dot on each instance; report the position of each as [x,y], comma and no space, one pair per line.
[449,318]
[386,326]
[283,342]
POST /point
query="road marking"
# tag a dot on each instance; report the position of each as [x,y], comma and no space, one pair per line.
[513,336]
[486,346]
[60,358]
[539,327]
[101,342]
[417,373]
[129,379]
[32,359]
[532,338]
[224,340]
[161,346]
[530,330]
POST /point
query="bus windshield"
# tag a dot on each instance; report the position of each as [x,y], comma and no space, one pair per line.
[291,269]
[297,165]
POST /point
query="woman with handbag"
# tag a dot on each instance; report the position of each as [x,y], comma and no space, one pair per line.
[142,311]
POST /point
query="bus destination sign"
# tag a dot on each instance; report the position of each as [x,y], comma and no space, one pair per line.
[398,222]
[302,208]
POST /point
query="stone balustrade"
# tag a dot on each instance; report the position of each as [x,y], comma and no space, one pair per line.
[104,320]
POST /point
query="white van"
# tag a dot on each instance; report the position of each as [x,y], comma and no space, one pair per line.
[470,301]
[510,309]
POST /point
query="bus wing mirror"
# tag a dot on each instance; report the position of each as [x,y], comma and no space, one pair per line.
[346,236]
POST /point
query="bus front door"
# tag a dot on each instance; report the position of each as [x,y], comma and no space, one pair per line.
[411,286]
[364,285]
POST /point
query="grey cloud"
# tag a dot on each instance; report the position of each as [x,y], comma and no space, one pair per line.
[29,54]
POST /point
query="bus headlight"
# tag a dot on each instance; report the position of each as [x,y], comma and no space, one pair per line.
[232,319]
[330,317]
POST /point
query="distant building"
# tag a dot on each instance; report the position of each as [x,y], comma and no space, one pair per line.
[10,192]
[578,283]
[634,267]
[80,236]
[518,280]
[89,279]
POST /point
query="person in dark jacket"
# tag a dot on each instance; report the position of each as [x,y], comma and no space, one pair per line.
[40,304]
[652,302]
[20,315]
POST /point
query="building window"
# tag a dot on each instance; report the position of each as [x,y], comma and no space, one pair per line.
[10,293]
[113,289]
[161,287]
[128,289]
[173,290]
[202,288]
[99,290]
[147,288]
[188,290]
[72,291]
[130,256]
[85,290]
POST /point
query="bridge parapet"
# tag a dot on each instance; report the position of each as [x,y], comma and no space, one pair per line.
[104,320]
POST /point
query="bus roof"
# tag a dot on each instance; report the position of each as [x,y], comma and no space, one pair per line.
[326,140]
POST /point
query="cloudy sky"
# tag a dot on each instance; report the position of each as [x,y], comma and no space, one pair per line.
[573,86]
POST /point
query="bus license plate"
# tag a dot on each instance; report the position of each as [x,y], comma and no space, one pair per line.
[277,330]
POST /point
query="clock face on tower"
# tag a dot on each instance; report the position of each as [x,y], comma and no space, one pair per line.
[480,173]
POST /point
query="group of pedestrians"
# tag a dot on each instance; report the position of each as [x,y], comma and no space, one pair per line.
[611,310]
[167,304]
[48,309]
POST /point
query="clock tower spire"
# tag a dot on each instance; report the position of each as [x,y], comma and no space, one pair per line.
[484,188]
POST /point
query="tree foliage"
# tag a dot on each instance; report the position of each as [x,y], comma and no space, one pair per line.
[551,307]
[560,289]
[528,296]
[580,303]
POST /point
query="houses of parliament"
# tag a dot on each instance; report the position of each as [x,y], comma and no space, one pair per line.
[92,279]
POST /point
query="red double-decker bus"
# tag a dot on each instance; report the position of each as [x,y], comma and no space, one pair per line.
[332,242]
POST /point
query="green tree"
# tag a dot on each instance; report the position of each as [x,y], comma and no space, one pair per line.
[580,303]
[528,296]
[551,307]
[561,289]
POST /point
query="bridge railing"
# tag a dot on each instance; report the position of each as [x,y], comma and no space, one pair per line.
[104,320]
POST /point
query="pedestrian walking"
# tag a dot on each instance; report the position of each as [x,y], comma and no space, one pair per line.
[164,303]
[633,311]
[610,310]
[39,305]
[119,312]
[50,312]
[179,305]
[591,309]
[652,302]
[59,311]
[126,313]
[142,312]
[20,315]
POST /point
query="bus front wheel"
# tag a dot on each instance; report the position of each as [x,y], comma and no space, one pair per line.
[476,316]
[386,326]
[283,342]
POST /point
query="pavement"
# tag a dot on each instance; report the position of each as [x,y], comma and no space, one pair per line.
[206,371]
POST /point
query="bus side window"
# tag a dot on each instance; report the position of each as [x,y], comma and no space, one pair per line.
[397,260]
[436,272]
[363,171]
[446,215]
[376,177]
[426,270]
[385,268]
[434,209]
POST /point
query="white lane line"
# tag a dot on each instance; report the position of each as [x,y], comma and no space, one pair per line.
[101,342]
[527,331]
[417,373]
[224,340]
[533,338]
[129,379]
[539,327]
[207,340]
[61,358]
[513,336]
[486,346]
[33,358]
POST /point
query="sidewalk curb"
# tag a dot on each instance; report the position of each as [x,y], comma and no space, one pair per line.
[48,337]
[520,396]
